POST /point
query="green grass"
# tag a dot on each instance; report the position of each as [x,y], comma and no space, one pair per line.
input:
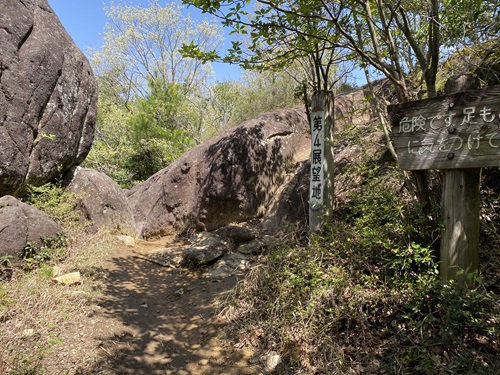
[31,301]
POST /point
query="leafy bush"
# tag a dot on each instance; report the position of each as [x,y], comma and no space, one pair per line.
[59,205]
[137,139]
[51,251]
[52,199]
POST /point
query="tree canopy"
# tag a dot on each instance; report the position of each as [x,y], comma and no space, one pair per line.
[399,40]
[150,95]
[142,44]
[155,103]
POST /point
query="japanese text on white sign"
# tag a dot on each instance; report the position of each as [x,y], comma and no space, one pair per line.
[317,158]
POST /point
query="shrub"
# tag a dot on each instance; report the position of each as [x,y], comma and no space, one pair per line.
[364,296]
[51,251]
[52,199]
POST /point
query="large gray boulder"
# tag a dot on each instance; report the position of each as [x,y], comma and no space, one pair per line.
[289,208]
[227,179]
[48,97]
[20,224]
[101,202]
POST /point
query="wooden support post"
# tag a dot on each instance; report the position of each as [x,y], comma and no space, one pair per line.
[456,133]
[321,194]
[460,208]
[460,236]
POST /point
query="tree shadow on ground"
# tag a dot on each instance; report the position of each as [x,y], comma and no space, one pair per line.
[161,321]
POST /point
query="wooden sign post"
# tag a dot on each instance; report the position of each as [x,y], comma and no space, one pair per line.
[321,183]
[458,133]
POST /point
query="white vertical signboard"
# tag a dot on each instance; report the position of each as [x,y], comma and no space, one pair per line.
[317,186]
[321,187]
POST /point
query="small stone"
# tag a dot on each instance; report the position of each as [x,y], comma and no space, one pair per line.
[126,240]
[272,361]
[144,305]
[203,362]
[239,345]
[72,278]
[236,233]
[229,265]
[253,361]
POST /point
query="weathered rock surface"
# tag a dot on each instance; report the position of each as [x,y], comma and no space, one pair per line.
[206,249]
[351,109]
[258,245]
[126,240]
[236,234]
[216,253]
[274,363]
[290,204]
[72,278]
[230,178]
[20,224]
[230,264]
[48,97]
[100,200]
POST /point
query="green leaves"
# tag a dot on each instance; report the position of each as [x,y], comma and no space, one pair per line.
[153,70]
[141,43]
[193,51]
[159,127]
[277,34]
[365,295]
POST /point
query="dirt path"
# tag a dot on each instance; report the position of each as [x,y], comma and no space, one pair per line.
[160,320]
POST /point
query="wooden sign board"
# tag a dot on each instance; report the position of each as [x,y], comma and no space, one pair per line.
[461,130]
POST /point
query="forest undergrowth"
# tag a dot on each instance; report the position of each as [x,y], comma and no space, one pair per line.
[361,297]
[364,296]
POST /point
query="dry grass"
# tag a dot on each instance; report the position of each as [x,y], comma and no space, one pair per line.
[364,298]
[35,312]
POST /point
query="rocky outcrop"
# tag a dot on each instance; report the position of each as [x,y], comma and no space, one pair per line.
[206,249]
[102,203]
[229,178]
[290,204]
[351,109]
[227,251]
[20,224]
[236,234]
[48,97]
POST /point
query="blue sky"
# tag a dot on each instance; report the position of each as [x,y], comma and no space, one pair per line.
[84,20]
